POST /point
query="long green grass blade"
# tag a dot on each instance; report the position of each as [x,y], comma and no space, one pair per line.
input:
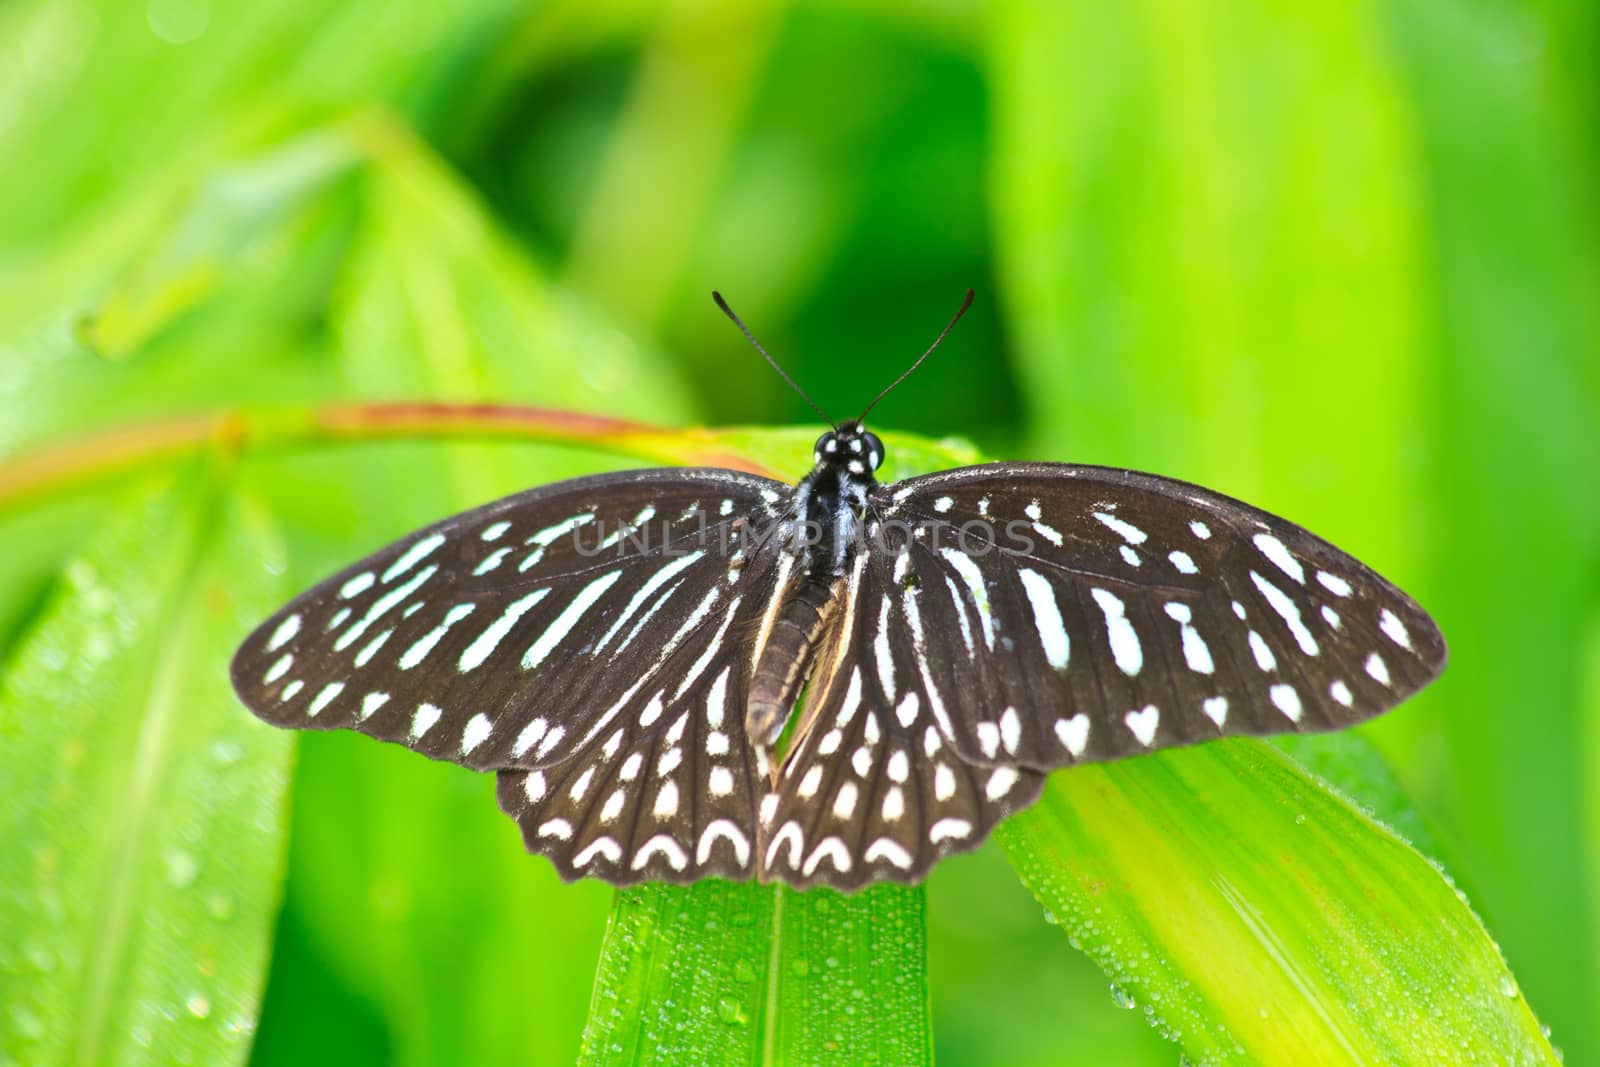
[142,814]
[745,974]
[1257,917]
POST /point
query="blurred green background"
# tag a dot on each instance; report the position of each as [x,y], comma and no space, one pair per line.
[1337,259]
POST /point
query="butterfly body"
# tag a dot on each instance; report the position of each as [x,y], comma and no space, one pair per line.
[819,532]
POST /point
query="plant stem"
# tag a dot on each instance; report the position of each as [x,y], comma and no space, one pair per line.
[84,461]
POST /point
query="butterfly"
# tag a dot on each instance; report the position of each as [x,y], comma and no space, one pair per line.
[678,674]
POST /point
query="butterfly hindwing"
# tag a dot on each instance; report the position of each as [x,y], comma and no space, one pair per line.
[872,789]
[1114,613]
[657,795]
[507,636]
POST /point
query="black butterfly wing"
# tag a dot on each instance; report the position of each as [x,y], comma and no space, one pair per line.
[872,789]
[516,634]
[659,795]
[1086,613]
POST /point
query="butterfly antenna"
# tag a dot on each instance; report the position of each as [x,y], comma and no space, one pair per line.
[962,310]
[737,321]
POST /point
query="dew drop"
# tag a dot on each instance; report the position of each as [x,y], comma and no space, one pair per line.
[181,868]
[1508,986]
[220,906]
[198,1006]
[1121,997]
[728,1011]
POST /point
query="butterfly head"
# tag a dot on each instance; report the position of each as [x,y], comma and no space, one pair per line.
[850,449]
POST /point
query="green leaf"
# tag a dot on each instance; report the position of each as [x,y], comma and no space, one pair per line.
[729,973]
[1256,916]
[142,813]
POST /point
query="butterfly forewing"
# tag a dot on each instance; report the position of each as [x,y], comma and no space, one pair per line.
[514,634]
[1091,613]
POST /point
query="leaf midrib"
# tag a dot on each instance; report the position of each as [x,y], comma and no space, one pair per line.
[150,748]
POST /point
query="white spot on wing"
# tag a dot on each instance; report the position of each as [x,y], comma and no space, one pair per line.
[1182,561]
[894,803]
[676,858]
[723,830]
[529,736]
[558,828]
[949,829]
[563,623]
[426,715]
[478,728]
[494,531]
[1001,779]
[972,578]
[357,585]
[1010,730]
[324,698]
[1125,530]
[1074,733]
[789,834]
[1143,724]
[1195,652]
[666,800]
[831,849]
[889,850]
[371,703]
[1046,617]
[414,555]
[1286,700]
[1378,669]
[1279,554]
[1200,530]
[600,846]
[284,631]
[1216,709]
[278,669]
[485,643]
[1289,611]
[882,652]
[1334,584]
[1264,657]
[844,802]
[1394,629]
[1341,692]
[425,644]
[1125,648]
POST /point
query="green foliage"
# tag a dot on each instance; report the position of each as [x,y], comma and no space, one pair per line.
[1337,261]
[144,818]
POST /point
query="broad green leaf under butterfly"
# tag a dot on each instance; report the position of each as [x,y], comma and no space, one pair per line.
[142,814]
[1257,916]
[744,974]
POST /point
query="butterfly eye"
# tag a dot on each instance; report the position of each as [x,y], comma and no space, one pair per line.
[824,441]
[874,451]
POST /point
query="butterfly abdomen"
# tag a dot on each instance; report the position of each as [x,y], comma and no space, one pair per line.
[783,662]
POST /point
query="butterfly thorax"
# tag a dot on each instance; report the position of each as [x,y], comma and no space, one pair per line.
[820,540]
